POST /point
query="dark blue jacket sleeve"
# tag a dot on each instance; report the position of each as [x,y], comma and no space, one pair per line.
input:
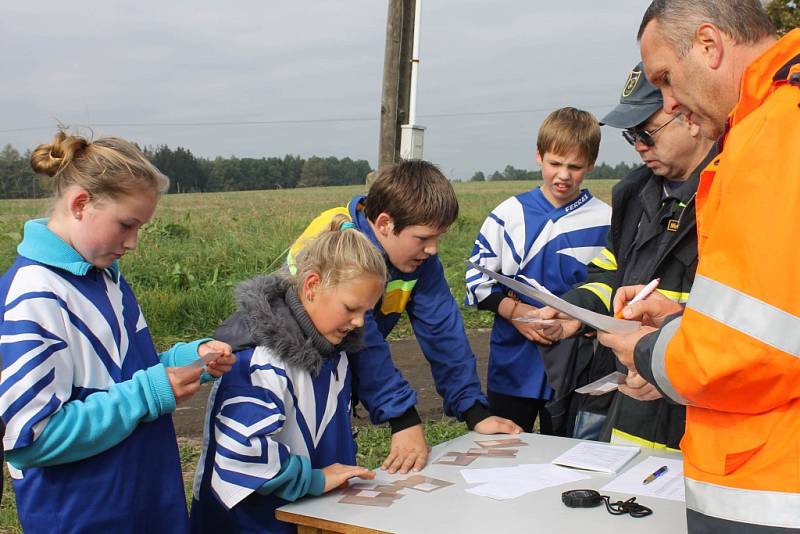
[379,385]
[439,328]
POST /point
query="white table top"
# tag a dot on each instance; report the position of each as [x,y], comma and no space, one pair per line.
[451,509]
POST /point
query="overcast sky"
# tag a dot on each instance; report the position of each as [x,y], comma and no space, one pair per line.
[151,71]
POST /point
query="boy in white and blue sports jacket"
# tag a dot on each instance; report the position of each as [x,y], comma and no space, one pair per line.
[547,235]
[278,425]
[409,206]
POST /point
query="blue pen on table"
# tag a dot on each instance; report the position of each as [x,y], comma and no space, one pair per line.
[660,471]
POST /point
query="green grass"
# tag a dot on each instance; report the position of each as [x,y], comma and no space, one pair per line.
[199,246]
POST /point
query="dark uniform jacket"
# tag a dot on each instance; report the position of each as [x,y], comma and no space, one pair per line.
[653,235]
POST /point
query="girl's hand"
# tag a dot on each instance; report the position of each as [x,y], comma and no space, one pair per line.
[338,474]
[185,381]
[223,363]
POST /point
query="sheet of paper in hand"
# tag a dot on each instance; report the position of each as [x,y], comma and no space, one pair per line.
[603,385]
[588,317]
[205,360]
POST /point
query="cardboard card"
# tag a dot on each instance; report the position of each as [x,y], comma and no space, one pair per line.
[381,500]
[205,360]
[500,443]
[422,483]
[500,453]
[456,458]
[382,495]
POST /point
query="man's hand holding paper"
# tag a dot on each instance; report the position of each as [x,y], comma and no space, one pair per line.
[651,312]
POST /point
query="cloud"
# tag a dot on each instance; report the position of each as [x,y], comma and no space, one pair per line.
[188,62]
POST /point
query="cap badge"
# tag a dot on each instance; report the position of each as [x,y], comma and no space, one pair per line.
[630,85]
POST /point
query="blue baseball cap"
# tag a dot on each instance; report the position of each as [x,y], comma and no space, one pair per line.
[637,103]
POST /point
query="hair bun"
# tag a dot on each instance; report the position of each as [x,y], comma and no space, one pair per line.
[50,158]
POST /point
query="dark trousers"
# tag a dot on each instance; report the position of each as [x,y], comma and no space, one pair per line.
[522,411]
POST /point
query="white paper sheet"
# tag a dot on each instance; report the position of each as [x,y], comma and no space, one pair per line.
[511,482]
[595,320]
[668,486]
[482,476]
[595,456]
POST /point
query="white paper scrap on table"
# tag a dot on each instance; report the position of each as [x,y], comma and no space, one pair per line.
[481,476]
[595,456]
[603,385]
[368,493]
[512,482]
[668,486]
[426,486]
[593,319]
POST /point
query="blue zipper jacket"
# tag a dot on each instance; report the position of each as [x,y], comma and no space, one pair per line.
[85,397]
[437,324]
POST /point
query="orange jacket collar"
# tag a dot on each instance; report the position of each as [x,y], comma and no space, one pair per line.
[757,82]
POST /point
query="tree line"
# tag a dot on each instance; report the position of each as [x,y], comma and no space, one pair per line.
[603,171]
[191,174]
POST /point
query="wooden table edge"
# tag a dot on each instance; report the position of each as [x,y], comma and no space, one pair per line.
[315,525]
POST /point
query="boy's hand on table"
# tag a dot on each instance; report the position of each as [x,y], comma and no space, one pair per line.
[409,451]
[338,474]
[497,425]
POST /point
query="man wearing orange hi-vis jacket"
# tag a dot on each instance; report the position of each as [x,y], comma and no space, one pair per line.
[732,356]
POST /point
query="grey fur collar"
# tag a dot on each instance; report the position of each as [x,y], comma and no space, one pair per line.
[274,323]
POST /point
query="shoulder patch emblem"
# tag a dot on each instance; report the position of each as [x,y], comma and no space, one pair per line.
[630,85]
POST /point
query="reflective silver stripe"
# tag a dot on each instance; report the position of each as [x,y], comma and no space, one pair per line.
[770,508]
[755,318]
[658,364]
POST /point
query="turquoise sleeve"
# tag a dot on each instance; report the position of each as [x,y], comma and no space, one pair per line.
[183,354]
[295,479]
[81,429]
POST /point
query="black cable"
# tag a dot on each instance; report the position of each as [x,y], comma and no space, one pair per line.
[626,507]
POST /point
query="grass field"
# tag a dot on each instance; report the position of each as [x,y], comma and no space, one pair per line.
[198,246]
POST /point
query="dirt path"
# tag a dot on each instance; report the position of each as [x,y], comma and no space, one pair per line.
[407,357]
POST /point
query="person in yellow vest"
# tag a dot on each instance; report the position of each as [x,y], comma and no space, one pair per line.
[732,356]
[409,206]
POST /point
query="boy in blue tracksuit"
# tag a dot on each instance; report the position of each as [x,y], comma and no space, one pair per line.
[546,235]
[409,206]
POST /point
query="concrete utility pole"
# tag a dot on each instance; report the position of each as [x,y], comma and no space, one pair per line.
[396,78]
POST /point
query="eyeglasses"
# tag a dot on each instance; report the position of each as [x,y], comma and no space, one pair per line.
[632,136]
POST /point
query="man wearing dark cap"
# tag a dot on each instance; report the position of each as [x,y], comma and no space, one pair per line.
[652,235]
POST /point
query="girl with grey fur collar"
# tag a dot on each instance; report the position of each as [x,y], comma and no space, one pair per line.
[279,423]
